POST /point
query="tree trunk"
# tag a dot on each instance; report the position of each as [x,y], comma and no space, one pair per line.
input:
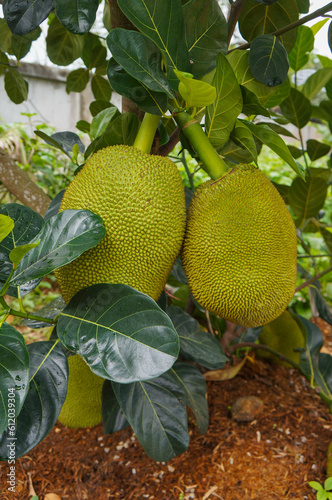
[20,185]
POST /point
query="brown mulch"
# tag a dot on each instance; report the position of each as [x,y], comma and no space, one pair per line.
[272,457]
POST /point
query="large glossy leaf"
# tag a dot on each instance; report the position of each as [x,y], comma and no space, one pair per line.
[268,60]
[139,57]
[195,344]
[251,104]
[49,311]
[206,34]
[316,82]
[196,93]
[27,225]
[64,141]
[258,19]
[102,120]
[296,108]
[317,149]
[100,87]
[128,86]
[280,94]
[122,130]
[121,333]
[21,44]
[6,226]
[14,374]
[62,46]
[16,87]
[239,60]
[77,80]
[77,16]
[63,238]
[307,197]
[274,142]
[42,405]
[242,136]
[314,365]
[163,23]
[193,386]
[157,416]
[235,153]
[54,206]
[318,303]
[113,417]
[221,115]
[24,16]
[299,55]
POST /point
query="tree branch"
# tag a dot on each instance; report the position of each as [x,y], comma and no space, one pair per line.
[317,277]
[233,17]
[295,24]
[20,185]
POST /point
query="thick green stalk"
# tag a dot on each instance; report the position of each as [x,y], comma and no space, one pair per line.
[146,133]
[211,161]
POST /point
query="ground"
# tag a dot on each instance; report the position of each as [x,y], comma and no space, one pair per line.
[272,457]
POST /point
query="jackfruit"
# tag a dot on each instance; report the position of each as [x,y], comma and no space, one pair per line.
[239,251]
[82,407]
[283,335]
[141,201]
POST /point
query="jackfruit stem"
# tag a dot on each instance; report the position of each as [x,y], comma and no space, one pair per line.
[146,133]
[212,163]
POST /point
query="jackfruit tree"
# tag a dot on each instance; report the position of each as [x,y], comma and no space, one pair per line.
[160,252]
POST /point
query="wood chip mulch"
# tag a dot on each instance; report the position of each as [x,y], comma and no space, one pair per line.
[272,457]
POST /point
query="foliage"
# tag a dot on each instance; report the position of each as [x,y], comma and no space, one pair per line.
[248,99]
[322,491]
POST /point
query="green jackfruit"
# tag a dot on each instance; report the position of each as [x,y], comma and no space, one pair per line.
[239,251]
[82,407]
[141,201]
[283,335]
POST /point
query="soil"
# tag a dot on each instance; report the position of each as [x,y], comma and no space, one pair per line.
[271,457]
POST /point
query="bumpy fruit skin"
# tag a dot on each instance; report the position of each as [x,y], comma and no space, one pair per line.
[239,250]
[82,407]
[141,201]
[283,335]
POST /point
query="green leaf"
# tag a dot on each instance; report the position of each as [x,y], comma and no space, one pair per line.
[4,62]
[329,36]
[299,55]
[316,82]
[127,86]
[98,57]
[24,16]
[98,105]
[77,16]
[42,405]
[303,6]
[77,80]
[50,311]
[17,254]
[328,484]
[315,485]
[258,19]
[21,44]
[206,34]
[322,495]
[102,120]
[5,36]
[268,60]
[251,104]
[14,374]
[62,47]
[239,61]
[316,149]
[282,91]
[193,386]
[221,115]
[318,26]
[16,87]
[195,92]
[114,328]
[241,136]
[296,108]
[6,226]
[235,153]
[163,23]
[279,129]
[54,206]
[113,417]
[158,417]
[139,57]
[63,238]
[307,198]
[122,130]
[196,345]
[101,89]
[317,301]
[27,225]
[274,142]
[64,141]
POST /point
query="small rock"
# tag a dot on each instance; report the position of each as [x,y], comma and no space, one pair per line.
[246,409]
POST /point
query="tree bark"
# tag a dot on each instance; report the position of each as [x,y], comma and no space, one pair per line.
[20,185]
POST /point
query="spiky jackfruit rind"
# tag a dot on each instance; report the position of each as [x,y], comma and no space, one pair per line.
[141,200]
[82,407]
[283,335]
[239,250]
